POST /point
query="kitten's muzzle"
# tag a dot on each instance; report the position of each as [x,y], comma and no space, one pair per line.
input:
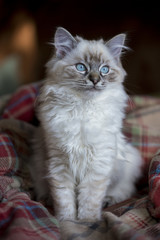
[94,77]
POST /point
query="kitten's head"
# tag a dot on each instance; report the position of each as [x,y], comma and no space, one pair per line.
[86,65]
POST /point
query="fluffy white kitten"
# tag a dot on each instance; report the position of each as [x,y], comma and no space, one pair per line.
[81,156]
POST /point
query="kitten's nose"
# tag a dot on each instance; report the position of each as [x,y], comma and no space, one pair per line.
[94,77]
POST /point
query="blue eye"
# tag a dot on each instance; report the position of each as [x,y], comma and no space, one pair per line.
[104,70]
[81,67]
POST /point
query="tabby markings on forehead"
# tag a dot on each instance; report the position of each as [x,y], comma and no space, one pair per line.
[90,57]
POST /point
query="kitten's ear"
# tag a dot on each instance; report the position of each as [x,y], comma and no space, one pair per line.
[64,42]
[116,45]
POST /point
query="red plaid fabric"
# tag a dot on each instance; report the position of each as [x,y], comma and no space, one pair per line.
[21,104]
[21,218]
[154,186]
[7,152]
[141,127]
[14,148]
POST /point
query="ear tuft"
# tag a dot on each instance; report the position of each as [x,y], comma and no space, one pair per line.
[116,45]
[64,42]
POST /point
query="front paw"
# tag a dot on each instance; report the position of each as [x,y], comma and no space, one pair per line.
[91,214]
[65,217]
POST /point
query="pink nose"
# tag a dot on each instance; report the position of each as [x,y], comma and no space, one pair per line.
[94,77]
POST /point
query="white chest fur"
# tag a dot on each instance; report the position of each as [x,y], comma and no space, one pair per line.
[82,130]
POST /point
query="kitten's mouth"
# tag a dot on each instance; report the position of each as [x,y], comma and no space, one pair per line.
[95,88]
[92,88]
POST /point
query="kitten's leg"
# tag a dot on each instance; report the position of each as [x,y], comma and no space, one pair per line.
[62,189]
[64,199]
[92,189]
[54,184]
[90,199]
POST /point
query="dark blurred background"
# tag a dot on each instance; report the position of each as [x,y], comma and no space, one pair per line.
[26,28]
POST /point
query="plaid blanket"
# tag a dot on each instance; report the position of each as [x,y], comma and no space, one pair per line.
[23,218]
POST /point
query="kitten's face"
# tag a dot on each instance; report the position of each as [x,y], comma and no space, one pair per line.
[87,66]
[90,67]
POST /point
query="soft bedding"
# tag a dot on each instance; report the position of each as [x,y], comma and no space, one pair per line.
[21,217]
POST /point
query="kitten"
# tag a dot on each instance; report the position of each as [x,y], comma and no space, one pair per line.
[81,156]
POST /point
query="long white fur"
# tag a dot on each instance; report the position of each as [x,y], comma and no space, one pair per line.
[81,156]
